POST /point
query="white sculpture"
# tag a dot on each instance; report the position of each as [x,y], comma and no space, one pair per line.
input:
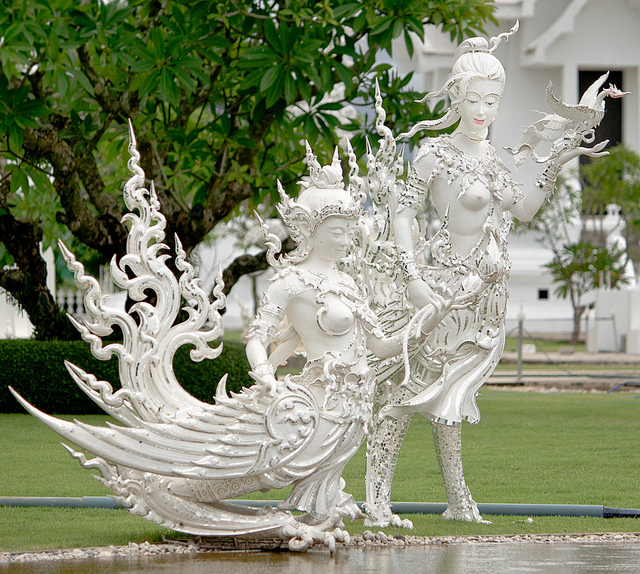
[569,126]
[465,262]
[440,300]
[175,459]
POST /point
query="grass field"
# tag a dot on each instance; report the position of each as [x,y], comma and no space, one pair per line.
[528,448]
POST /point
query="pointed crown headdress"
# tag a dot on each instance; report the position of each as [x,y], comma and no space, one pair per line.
[476,45]
[323,195]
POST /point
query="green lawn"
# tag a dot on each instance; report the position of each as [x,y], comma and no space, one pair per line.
[528,448]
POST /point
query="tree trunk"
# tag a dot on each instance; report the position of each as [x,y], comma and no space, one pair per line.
[27,283]
[577,318]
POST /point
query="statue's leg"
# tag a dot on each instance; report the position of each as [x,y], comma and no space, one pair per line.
[383,447]
[447,440]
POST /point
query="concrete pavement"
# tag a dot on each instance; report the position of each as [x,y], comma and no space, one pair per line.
[595,372]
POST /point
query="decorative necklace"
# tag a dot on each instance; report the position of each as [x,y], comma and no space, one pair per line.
[324,284]
[479,139]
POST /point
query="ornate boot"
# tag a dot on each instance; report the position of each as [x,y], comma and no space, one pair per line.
[383,447]
[447,440]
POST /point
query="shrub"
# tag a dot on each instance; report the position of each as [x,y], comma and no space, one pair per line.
[36,370]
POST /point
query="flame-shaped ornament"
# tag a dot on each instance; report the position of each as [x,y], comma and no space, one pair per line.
[172,458]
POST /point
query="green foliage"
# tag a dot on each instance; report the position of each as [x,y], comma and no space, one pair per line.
[580,268]
[220,94]
[612,179]
[36,370]
[615,179]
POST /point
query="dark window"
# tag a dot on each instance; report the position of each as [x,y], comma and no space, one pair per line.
[543,293]
[611,126]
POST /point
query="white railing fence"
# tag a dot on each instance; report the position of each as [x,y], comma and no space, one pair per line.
[71,302]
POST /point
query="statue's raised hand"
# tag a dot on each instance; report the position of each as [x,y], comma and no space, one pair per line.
[420,294]
[595,151]
[427,318]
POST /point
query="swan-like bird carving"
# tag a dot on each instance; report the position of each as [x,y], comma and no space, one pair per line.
[569,125]
[176,460]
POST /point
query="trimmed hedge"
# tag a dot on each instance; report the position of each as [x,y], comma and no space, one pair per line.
[36,370]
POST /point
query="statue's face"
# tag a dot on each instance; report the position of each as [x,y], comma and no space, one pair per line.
[479,108]
[333,238]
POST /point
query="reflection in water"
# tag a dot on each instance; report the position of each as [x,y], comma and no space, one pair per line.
[558,558]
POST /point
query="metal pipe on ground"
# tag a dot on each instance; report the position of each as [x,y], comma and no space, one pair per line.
[62,501]
[497,509]
[397,507]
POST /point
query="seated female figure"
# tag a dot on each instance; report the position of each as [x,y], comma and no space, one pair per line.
[320,307]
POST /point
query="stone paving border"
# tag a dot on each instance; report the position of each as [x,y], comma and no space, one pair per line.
[366,540]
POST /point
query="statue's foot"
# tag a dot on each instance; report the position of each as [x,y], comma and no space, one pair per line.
[394,520]
[303,536]
[304,540]
[380,515]
[349,509]
[464,514]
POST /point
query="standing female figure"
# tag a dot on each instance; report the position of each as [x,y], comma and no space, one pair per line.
[465,261]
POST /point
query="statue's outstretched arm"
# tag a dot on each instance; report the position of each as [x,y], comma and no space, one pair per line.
[411,197]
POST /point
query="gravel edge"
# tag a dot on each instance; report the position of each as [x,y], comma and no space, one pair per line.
[365,540]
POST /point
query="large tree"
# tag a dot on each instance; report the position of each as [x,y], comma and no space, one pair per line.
[220,93]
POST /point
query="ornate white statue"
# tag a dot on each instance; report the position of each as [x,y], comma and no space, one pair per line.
[440,300]
[465,262]
[175,459]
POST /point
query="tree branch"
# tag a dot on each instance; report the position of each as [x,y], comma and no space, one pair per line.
[220,201]
[104,233]
[119,108]
[245,264]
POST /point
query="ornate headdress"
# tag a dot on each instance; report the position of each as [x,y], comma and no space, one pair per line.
[481,45]
[323,195]
[461,78]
